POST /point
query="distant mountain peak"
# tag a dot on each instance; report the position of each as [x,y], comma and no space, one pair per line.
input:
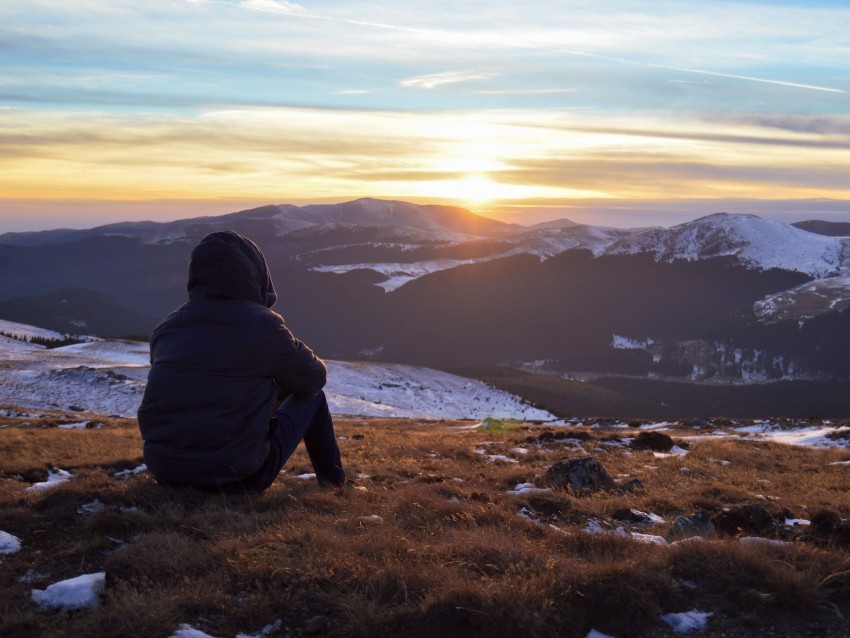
[756,242]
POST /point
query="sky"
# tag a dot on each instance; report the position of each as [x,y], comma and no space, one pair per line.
[617,113]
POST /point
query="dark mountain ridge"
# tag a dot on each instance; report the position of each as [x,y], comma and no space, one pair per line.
[830,229]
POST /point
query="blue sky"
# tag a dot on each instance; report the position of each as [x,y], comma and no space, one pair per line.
[619,113]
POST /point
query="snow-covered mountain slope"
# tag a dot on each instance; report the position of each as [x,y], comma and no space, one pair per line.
[23,332]
[548,242]
[807,300]
[376,389]
[544,243]
[109,376]
[398,274]
[756,242]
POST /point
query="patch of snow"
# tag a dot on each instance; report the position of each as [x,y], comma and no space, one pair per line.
[55,478]
[597,634]
[395,390]
[187,631]
[136,470]
[75,593]
[9,544]
[624,343]
[523,489]
[74,426]
[651,539]
[687,621]
[662,425]
[90,507]
[793,522]
[840,463]
[813,436]
[373,519]
[674,451]
[305,477]
[268,630]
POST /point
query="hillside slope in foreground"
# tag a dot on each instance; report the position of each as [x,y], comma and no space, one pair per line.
[451,529]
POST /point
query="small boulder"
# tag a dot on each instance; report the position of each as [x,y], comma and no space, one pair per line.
[655,441]
[631,515]
[751,519]
[827,528]
[697,525]
[583,476]
[635,485]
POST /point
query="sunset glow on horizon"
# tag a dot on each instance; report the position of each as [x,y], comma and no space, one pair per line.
[167,109]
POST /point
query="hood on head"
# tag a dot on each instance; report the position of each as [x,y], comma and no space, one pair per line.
[226,265]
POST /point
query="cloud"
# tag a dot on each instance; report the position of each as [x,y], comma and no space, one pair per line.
[435,80]
[275,6]
[810,124]
[747,78]
[521,91]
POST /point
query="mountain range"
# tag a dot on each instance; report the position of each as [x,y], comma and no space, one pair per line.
[723,299]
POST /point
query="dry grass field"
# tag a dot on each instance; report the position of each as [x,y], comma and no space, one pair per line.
[430,543]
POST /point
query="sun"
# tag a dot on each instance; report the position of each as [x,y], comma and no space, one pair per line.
[477,191]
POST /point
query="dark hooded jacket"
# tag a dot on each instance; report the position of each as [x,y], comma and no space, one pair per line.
[218,364]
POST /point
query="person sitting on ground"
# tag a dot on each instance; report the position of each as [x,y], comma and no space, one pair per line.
[231,392]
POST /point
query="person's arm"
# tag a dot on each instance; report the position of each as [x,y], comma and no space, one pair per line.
[295,368]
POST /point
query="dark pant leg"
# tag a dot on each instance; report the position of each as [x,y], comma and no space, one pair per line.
[307,419]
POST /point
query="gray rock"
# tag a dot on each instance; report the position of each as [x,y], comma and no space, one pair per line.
[583,476]
[697,525]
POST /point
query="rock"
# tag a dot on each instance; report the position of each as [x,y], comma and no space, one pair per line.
[751,520]
[697,525]
[655,441]
[635,485]
[583,476]
[549,437]
[827,528]
[628,515]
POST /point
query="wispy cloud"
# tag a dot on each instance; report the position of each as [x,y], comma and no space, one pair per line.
[435,80]
[520,91]
[747,78]
[275,6]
